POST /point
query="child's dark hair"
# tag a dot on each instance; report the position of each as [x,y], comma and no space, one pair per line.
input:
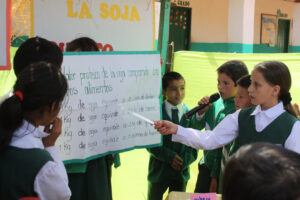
[235,69]
[244,81]
[82,44]
[277,73]
[170,76]
[38,85]
[34,50]
[262,171]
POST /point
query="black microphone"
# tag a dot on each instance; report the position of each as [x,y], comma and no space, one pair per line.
[214,97]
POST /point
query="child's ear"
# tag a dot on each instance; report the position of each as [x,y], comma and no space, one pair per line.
[276,90]
[163,92]
[52,106]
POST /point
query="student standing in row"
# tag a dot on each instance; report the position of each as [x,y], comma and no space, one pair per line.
[30,164]
[90,180]
[33,50]
[241,100]
[269,90]
[209,166]
[169,164]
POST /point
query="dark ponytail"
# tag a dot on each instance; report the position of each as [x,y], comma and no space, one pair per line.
[38,86]
[11,117]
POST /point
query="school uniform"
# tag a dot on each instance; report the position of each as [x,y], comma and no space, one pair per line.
[92,180]
[276,132]
[228,130]
[29,169]
[209,166]
[160,174]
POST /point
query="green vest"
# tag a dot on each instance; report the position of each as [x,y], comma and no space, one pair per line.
[276,132]
[161,158]
[18,170]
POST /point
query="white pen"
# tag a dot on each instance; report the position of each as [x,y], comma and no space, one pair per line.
[141,117]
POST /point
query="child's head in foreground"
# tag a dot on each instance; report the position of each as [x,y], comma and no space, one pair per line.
[262,171]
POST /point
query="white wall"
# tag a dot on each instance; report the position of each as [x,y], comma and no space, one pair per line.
[157,17]
[241,21]
[270,7]
[235,21]
[296,26]
[209,20]
[238,21]
[248,21]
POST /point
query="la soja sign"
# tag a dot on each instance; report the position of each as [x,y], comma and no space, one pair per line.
[114,25]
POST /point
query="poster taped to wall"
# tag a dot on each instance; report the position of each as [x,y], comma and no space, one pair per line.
[111,96]
[115,25]
[268,29]
[5,30]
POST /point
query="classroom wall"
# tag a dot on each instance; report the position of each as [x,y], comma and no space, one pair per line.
[296,29]
[240,25]
[270,7]
[234,25]
[209,30]
[209,21]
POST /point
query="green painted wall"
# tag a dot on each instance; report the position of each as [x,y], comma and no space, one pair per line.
[294,49]
[238,48]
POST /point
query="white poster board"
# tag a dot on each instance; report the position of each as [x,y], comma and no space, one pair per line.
[5,11]
[114,24]
[104,90]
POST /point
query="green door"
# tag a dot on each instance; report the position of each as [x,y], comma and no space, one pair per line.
[283,34]
[180,27]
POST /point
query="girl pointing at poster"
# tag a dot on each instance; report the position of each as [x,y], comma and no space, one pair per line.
[272,120]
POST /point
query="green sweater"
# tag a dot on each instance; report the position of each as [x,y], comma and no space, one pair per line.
[212,117]
[161,158]
[18,170]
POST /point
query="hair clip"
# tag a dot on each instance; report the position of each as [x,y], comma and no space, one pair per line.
[19,94]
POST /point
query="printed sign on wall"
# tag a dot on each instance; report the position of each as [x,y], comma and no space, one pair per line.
[5,20]
[111,100]
[113,24]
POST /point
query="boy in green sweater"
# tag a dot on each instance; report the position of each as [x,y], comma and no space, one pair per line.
[169,164]
[210,164]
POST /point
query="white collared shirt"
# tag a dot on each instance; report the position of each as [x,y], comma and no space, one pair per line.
[169,108]
[228,129]
[51,182]
[6,96]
